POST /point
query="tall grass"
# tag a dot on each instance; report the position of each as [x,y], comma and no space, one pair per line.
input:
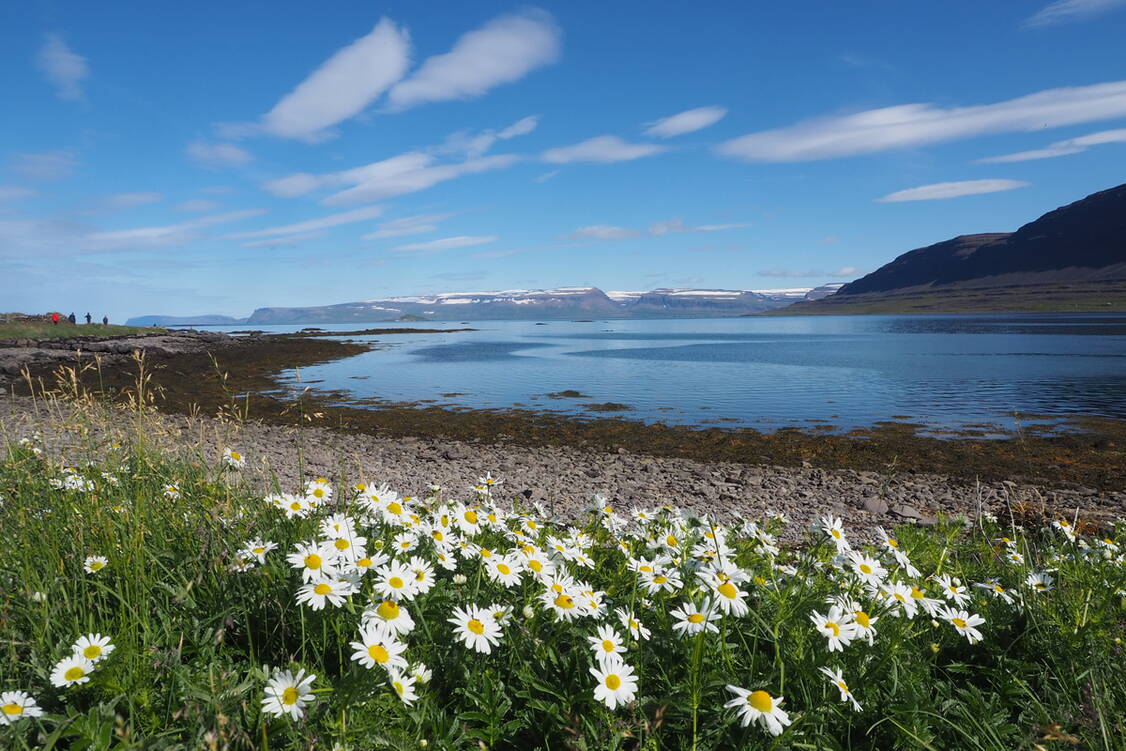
[198,629]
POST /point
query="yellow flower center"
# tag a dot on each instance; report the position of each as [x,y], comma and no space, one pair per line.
[535,565]
[395,508]
[634,625]
[865,568]
[645,569]
[399,689]
[437,535]
[727,589]
[917,593]
[342,544]
[565,601]
[322,589]
[613,682]
[476,626]
[660,578]
[958,622]
[862,618]
[318,492]
[74,673]
[259,551]
[696,618]
[835,533]
[97,565]
[486,553]
[893,542]
[504,569]
[236,455]
[607,645]
[395,582]
[842,686]
[833,627]
[12,709]
[761,701]
[289,696]
[470,516]
[532,524]
[388,610]
[295,505]
[364,563]
[671,541]
[379,653]
[91,652]
[313,561]
[997,588]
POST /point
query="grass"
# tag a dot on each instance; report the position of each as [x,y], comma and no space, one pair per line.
[199,626]
[67,330]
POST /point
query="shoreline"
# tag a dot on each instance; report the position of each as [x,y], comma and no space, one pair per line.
[211,373]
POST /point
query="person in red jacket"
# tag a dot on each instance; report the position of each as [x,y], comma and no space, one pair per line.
[55,318]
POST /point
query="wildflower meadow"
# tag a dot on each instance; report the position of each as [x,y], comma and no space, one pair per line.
[158,602]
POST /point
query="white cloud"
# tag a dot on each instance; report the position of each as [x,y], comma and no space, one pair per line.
[163,236]
[952,190]
[324,222]
[673,226]
[521,127]
[217,190]
[502,51]
[15,193]
[46,166]
[129,200]
[685,122]
[1063,11]
[1061,148]
[910,125]
[420,224]
[446,243]
[602,232]
[471,146]
[411,179]
[197,204]
[545,176]
[62,67]
[601,149]
[342,86]
[278,242]
[217,155]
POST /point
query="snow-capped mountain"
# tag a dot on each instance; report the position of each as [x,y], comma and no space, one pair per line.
[560,303]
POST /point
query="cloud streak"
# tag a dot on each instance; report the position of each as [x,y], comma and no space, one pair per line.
[1065,11]
[342,86]
[912,125]
[47,166]
[604,149]
[447,243]
[1061,148]
[502,51]
[420,224]
[939,191]
[312,225]
[217,155]
[64,69]
[674,226]
[685,122]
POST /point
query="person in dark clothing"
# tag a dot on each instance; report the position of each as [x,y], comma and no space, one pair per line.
[71,318]
[88,318]
[105,320]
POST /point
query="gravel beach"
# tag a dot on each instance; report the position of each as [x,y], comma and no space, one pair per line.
[564,480]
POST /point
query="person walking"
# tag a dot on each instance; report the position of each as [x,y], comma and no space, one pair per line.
[71,318]
[55,318]
[88,318]
[105,320]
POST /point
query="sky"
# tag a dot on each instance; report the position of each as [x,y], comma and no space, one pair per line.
[193,158]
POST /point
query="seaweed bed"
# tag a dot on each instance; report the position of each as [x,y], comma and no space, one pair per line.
[1088,452]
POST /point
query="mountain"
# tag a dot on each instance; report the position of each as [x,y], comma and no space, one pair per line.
[204,320]
[1072,258]
[562,303]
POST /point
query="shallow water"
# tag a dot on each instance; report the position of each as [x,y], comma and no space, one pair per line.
[946,372]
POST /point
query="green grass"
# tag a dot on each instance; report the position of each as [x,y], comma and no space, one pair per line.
[195,640]
[66,330]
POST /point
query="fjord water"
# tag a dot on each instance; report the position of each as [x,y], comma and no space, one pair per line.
[946,372]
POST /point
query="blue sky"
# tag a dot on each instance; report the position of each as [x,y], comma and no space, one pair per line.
[205,157]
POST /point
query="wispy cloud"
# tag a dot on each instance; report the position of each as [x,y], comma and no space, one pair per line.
[399,175]
[674,226]
[280,242]
[952,190]
[161,236]
[502,51]
[342,86]
[601,149]
[197,204]
[846,271]
[129,200]
[15,193]
[312,225]
[420,224]
[62,67]
[685,122]
[217,155]
[602,232]
[545,176]
[1061,148]
[448,243]
[1064,11]
[46,166]
[910,125]
[474,145]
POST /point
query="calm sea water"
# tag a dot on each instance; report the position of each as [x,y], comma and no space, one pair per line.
[943,371]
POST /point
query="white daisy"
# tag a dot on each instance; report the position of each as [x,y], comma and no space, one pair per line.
[375,648]
[288,694]
[616,683]
[760,707]
[94,647]
[16,705]
[71,671]
[476,628]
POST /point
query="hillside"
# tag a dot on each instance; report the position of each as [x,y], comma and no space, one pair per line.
[1072,258]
